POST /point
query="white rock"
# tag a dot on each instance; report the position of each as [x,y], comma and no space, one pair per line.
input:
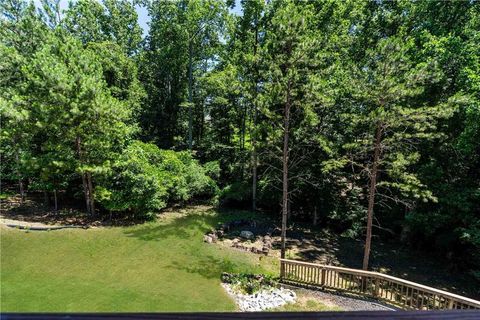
[267,298]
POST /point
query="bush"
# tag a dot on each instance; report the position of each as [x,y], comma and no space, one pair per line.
[248,283]
[146,179]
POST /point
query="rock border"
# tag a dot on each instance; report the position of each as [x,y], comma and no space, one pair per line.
[265,299]
[214,235]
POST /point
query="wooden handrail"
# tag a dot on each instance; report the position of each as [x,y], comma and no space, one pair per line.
[393,292]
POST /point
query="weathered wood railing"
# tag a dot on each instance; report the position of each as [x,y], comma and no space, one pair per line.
[403,293]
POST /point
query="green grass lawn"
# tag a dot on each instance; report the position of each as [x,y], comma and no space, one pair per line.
[157,266]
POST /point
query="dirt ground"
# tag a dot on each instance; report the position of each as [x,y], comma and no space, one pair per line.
[386,257]
[393,258]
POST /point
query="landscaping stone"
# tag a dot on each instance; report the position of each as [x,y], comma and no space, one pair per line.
[213,236]
[265,250]
[246,234]
[267,298]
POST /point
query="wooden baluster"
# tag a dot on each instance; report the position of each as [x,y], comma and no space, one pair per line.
[392,291]
[417,298]
[406,296]
[390,286]
[397,289]
[411,299]
[421,300]
[389,290]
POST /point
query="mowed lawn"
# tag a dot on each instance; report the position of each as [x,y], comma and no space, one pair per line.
[157,266]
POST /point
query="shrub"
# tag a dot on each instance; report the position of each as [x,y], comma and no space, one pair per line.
[248,283]
[146,179]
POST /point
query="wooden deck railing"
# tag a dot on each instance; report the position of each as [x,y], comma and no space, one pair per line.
[403,293]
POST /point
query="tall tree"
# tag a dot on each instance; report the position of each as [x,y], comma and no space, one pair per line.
[388,83]
[75,110]
[250,27]
[21,34]
[188,32]
[288,50]
[113,21]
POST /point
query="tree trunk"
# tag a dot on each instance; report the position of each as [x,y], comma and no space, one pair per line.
[242,139]
[78,142]
[254,176]
[20,181]
[190,95]
[315,217]
[371,193]
[55,199]
[254,133]
[46,201]
[90,193]
[85,192]
[286,124]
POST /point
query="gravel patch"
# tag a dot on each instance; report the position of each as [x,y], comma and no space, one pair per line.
[346,303]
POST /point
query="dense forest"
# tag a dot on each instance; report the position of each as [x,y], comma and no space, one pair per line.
[360,116]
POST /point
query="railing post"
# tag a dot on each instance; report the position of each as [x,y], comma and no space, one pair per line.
[376,290]
[377,285]
[450,304]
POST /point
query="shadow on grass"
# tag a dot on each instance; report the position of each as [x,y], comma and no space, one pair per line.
[208,267]
[186,226]
[183,227]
